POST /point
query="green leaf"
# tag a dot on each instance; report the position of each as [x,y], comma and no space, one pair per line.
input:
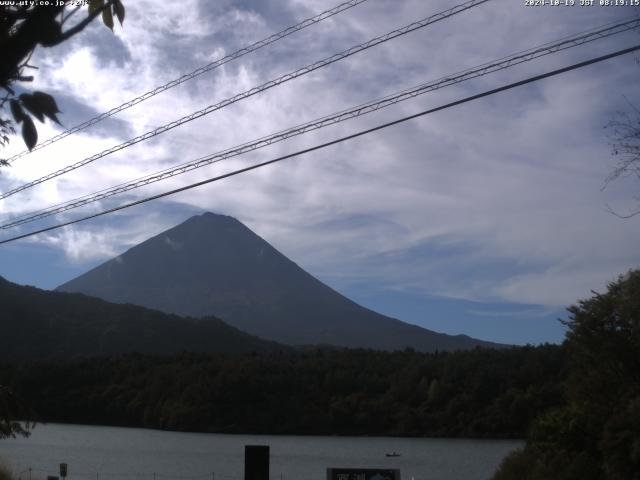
[16,111]
[47,105]
[95,5]
[118,9]
[29,132]
[41,104]
[32,106]
[107,18]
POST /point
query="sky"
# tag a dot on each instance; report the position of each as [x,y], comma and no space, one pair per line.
[486,219]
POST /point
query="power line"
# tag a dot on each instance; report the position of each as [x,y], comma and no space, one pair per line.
[484,69]
[199,71]
[255,90]
[333,142]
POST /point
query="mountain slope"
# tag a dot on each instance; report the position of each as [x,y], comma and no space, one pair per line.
[39,324]
[214,265]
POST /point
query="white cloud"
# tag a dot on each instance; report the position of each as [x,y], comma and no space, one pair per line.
[512,181]
[81,245]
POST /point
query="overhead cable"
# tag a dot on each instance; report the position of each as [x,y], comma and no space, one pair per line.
[255,90]
[199,71]
[327,144]
[372,106]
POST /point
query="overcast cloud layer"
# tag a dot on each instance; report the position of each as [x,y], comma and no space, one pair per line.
[498,201]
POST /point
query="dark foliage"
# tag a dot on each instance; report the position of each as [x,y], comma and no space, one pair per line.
[596,435]
[24,26]
[476,393]
[40,324]
[11,408]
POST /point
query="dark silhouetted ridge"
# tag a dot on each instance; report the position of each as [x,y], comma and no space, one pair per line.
[41,324]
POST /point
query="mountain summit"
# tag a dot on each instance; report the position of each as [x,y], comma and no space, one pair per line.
[214,265]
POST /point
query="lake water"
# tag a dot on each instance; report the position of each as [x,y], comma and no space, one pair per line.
[109,453]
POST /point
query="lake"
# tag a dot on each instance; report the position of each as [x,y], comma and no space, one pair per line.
[110,453]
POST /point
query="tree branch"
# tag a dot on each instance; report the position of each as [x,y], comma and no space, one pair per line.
[629,215]
[71,14]
[81,25]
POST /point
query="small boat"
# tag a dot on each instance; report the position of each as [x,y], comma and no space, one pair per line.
[393,454]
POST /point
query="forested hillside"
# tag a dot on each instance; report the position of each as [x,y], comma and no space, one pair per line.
[39,324]
[477,393]
[595,435]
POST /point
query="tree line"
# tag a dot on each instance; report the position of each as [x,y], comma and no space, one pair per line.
[595,433]
[478,393]
[577,404]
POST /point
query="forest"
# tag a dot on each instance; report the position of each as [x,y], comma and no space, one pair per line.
[577,404]
[47,325]
[595,434]
[477,393]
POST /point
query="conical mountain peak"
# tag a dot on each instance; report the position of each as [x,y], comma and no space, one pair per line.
[212,264]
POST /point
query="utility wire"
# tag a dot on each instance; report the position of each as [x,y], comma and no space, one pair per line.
[255,90]
[199,71]
[484,69]
[333,142]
